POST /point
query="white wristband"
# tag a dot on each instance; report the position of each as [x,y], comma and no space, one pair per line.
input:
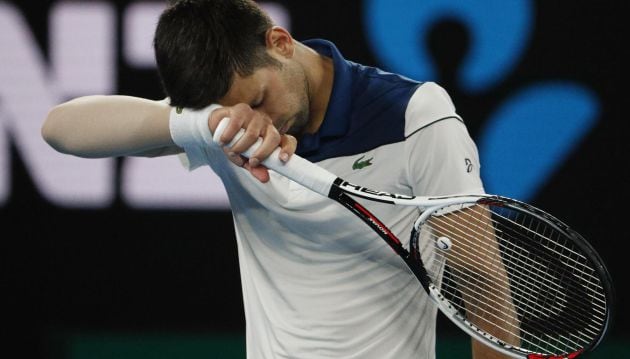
[190,127]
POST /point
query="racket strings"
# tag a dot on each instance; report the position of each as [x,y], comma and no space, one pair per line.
[507,254]
[496,264]
[544,240]
[510,334]
[539,275]
[539,229]
[513,329]
[587,279]
[552,301]
[547,262]
[524,281]
[496,301]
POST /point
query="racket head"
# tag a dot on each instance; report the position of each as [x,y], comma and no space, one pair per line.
[514,277]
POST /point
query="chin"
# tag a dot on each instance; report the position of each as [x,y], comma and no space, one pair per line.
[297,130]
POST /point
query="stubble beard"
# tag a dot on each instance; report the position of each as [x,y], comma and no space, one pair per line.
[301,119]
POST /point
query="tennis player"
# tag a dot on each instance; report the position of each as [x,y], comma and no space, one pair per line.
[316,282]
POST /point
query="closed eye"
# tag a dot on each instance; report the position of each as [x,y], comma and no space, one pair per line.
[259,100]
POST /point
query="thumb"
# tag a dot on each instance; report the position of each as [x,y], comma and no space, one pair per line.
[260,172]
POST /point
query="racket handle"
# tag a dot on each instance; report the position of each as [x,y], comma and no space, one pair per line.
[296,168]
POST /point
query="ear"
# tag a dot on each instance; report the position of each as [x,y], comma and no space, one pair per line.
[280,41]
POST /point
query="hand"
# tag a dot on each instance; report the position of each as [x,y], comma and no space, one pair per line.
[256,125]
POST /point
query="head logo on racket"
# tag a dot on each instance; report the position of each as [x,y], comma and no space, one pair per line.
[358,190]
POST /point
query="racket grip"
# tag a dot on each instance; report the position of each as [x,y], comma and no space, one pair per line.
[297,169]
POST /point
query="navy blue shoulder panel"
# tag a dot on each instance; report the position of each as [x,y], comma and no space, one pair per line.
[366,109]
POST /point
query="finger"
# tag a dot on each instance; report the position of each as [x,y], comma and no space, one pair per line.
[239,115]
[253,131]
[288,145]
[261,173]
[271,141]
[216,116]
[235,157]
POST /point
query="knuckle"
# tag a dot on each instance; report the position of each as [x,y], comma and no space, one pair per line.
[273,134]
[256,118]
[236,122]
[290,138]
[264,119]
[250,136]
[242,112]
[241,107]
[289,141]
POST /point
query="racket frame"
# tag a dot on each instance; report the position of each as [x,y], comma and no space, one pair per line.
[341,191]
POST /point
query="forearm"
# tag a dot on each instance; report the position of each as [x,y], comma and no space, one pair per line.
[495,316]
[108,126]
[481,351]
[477,268]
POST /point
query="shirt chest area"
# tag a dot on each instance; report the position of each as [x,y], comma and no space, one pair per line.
[298,220]
[382,169]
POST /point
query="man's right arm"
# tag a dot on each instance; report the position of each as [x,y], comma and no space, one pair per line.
[110,126]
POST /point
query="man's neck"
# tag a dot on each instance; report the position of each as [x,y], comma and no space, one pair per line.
[319,71]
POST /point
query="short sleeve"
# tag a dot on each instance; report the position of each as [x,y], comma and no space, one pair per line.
[442,157]
[444,160]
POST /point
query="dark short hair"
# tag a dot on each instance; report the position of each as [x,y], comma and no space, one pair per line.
[201,44]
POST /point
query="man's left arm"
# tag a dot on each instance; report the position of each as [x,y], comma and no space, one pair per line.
[443,160]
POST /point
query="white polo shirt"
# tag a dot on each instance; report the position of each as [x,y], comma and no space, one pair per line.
[317,282]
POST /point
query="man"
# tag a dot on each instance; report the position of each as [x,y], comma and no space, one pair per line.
[316,281]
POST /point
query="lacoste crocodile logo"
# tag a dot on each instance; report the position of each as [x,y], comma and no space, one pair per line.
[359,164]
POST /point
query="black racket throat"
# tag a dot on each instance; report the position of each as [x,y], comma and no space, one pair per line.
[412,259]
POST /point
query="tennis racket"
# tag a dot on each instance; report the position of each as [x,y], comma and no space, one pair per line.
[508,274]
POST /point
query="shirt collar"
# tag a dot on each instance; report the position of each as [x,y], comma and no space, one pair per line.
[337,119]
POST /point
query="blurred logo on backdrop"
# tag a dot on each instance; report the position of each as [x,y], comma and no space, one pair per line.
[528,136]
[82,59]
[522,142]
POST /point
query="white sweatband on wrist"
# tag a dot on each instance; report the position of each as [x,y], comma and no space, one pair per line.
[190,127]
[189,130]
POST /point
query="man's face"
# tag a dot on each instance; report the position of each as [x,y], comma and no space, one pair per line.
[278,92]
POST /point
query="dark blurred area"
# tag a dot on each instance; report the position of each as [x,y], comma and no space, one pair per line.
[123,270]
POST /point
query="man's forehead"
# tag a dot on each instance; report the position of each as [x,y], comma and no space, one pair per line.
[243,89]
